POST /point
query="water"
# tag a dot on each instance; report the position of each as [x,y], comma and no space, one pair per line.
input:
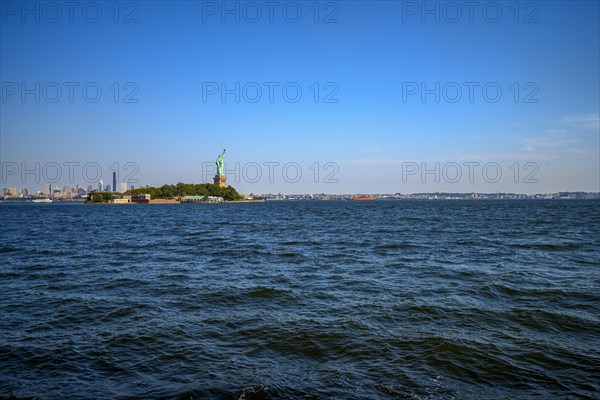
[311,300]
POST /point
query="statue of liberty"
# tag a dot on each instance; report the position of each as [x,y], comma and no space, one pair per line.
[221,163]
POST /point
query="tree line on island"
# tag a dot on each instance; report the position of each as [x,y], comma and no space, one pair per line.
[174,191]
[188,189]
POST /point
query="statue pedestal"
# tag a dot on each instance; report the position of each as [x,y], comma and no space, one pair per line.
[221,180]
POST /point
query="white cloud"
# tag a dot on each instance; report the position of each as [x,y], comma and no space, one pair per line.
[551,142]
[583,121]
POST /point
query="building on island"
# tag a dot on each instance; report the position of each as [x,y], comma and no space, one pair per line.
[142,198]
[192,199]
[201,199]
[122,200]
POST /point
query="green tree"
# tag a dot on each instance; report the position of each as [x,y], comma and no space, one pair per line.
[100,197]
[188,189]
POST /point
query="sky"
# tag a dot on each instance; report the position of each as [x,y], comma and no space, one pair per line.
[307,97]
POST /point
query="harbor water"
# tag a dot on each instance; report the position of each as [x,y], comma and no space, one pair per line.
[301,300]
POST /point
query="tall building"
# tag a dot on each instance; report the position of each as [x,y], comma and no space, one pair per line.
[90,188]
[48,189]
[114,185]
[100,185]
[24,193]
[123,187]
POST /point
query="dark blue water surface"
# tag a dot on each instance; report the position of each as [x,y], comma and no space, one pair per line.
[312,300]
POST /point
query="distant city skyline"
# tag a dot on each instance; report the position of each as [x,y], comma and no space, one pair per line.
[78,191]
[293,177]
[344,97]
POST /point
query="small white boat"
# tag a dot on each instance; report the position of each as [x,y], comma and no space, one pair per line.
[42,201]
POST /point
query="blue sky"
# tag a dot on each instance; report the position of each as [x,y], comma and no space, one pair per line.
[365,131]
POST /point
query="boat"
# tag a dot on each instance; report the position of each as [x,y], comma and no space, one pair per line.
[42,201]
[362,198]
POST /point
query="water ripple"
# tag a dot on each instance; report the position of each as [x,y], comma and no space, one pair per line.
[306,300]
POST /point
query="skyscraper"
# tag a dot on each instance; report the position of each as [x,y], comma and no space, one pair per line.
[48,189]
[114,185]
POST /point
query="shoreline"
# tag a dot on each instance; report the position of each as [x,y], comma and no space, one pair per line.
[165,201]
